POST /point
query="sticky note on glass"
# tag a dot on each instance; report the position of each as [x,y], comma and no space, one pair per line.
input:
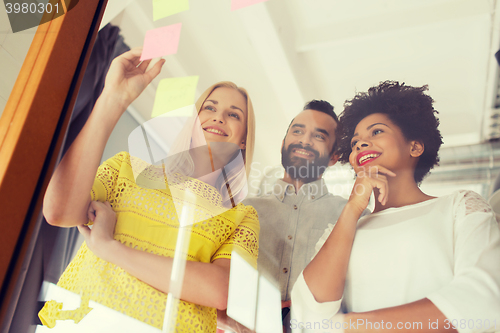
[164,8]
[161,41]
[174,93]
[238,4]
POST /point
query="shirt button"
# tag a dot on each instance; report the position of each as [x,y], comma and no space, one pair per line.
[285,270]
[313,197]
[290,237]
[295,207]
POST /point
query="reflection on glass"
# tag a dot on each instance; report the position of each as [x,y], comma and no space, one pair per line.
[176,197]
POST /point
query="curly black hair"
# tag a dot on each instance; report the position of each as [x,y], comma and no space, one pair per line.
[406,106]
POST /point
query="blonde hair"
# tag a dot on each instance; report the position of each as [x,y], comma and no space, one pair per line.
[235,180]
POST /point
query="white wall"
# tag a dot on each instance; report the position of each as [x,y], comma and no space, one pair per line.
[13,50]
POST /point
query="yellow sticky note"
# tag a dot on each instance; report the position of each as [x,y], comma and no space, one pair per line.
[174,93]
[164,8]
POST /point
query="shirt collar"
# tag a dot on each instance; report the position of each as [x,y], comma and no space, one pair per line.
[282,188]
[313,191]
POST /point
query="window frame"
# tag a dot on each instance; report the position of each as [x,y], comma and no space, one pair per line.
[32,131]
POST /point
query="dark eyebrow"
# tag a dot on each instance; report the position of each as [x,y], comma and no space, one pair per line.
[216,102]
[325,132]
[322,131]
[237,108]
[376,124]
[368,128]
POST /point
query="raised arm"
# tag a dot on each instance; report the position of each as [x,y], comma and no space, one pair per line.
[68,195]
[325,275]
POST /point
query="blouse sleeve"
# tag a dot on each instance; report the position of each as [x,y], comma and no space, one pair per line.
[305,308]
[304,305]
[245,238]
[107,177]
[472,299]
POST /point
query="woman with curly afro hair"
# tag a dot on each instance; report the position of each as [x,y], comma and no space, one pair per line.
[417,263]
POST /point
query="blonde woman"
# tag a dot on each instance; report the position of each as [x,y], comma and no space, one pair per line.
[126,260]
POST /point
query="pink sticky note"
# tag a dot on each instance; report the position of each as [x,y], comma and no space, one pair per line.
[237,4]
[161,41]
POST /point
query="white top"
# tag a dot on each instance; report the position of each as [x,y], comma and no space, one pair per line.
[445,249]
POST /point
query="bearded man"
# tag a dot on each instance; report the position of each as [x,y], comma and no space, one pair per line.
[294,215]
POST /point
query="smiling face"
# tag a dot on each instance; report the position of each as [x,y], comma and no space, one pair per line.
[305,153]
[223,117]
[378,141]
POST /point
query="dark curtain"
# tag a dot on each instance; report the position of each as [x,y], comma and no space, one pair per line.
[51,247]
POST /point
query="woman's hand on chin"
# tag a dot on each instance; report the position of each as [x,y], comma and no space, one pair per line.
[368,179]
[100,237]
[128,77]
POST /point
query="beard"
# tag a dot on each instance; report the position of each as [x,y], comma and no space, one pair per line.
[303,169]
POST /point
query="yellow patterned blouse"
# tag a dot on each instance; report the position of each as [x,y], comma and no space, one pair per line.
[147,220]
